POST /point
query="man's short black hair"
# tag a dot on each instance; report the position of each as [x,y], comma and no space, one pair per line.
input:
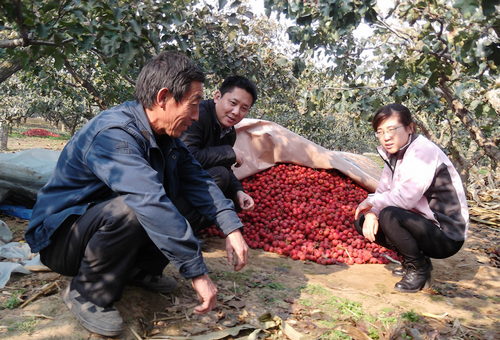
[171,70]
[238,81]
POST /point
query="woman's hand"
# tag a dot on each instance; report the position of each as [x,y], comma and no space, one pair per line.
[370,226]
[362,208]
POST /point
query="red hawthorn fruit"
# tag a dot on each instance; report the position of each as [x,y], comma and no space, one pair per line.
[307,214]
[39,133]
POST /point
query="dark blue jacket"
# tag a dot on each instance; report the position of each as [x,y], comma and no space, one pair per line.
[203,140]
[116,154]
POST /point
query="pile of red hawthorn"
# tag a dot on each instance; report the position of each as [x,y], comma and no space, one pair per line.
[39,133]
[307,214]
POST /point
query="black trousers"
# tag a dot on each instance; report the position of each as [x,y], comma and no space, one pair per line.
[411,234]
[100,248]
[222,177]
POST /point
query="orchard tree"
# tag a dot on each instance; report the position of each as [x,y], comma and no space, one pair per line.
[15,102]
[93,50]
[440,58]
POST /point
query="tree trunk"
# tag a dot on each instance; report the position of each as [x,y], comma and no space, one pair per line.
[4,136]
[8,67]
[476,133]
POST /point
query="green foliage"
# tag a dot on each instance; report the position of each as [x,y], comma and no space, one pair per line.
[411,316]
[335,335]
[438,58]
[25,326]
[276,286]
[373,333]
[316,289]
[14,300]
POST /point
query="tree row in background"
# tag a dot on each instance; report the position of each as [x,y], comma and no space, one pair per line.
[439,58]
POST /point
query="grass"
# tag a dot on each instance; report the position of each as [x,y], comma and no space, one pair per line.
[316,289]
[37,123]
[411,316]
[25,326]
[62,136]
[14,300]
[234,276]
[335,335]
[345,310]
[276,286]
[377,159]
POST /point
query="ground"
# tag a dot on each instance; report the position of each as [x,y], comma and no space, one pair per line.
[329,302]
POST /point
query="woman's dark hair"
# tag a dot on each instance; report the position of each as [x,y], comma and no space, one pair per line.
[171,70]
[388,110]
[238,81]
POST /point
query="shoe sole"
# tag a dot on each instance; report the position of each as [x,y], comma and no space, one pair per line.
[84,323]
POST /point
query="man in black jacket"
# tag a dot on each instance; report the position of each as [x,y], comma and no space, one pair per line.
[211,139]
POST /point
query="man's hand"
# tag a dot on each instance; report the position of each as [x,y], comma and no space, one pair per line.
[207,294]
[236,245]
[370,226]
[245,201]
[239,157]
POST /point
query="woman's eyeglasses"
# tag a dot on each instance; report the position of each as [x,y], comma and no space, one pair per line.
[390,131]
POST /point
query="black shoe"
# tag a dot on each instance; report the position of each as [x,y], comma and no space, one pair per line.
[103,321]
[401,271]
[161,283]
[417,276]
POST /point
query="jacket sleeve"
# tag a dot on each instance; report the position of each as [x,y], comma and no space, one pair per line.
[415,175]
[196,138]
[234,185]
[199,189]
[120,162]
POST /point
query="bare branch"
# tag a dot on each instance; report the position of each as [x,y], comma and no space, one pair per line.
[20,21]
[86,85]
[358,88]
[386,26]
[14,43]
[11,43]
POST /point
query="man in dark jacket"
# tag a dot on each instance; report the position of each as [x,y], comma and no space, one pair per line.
[106,215]
[211,139]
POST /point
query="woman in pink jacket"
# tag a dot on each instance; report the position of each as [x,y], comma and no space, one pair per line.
[419,208]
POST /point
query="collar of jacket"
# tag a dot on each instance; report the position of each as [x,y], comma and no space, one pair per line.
[142,122]
[390,159]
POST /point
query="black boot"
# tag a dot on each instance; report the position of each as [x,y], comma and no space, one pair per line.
[400,272]
[417,275]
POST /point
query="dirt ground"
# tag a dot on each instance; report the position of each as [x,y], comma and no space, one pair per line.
[463,302]
[327,302]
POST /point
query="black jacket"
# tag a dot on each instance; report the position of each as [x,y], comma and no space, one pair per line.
[203,140]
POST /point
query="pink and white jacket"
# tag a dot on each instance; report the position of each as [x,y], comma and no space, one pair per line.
[421,178]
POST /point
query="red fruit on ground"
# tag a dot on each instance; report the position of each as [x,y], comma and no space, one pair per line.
[39,133]
[309,210]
